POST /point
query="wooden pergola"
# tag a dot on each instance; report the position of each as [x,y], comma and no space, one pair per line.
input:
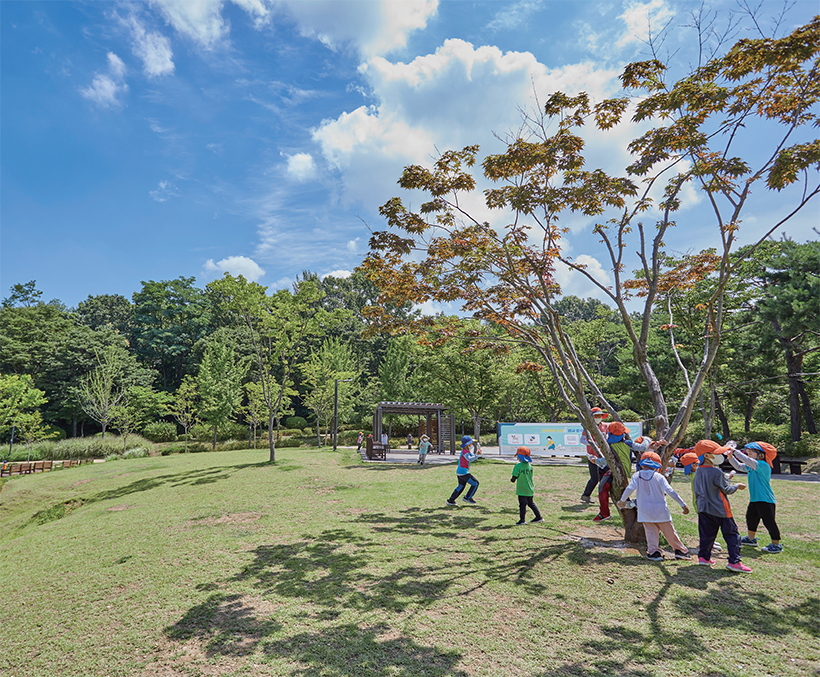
[445,424]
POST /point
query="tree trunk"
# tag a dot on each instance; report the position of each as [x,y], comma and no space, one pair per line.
[724,423]
[318,433]
[74,426]
[214,447]
[477,428]
[750,409]
[633,529]
[271,440]
[793,367]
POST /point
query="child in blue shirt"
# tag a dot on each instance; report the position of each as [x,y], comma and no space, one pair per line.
[525,488]
[463,472]
[758,457]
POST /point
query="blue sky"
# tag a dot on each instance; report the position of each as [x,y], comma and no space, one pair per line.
[152,140]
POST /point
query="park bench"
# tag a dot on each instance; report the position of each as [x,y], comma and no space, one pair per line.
[39,466]
[795,465]
[376,450]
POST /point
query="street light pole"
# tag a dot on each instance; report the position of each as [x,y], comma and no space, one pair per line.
[335,414]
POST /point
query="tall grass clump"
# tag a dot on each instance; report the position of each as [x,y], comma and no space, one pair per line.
[91,447]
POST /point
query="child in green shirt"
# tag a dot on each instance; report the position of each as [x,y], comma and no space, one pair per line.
[522,475]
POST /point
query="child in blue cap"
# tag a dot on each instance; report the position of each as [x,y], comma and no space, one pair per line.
[463,472]
[758,458]
[525,488]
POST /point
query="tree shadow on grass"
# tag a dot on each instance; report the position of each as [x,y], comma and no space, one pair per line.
[351,650]
[225,623]
[193,478]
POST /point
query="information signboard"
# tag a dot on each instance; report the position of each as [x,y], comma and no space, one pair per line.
[549,439]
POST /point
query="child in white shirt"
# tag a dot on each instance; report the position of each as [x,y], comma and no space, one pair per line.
[650,488]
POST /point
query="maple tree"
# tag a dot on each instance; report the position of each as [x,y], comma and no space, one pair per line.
[506,275]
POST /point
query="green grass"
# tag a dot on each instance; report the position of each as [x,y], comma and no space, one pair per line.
[220,564]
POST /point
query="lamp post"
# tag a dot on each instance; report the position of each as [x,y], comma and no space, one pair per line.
[336,410]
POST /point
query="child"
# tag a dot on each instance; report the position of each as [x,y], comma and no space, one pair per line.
[598,416]
[758,457]
[463,472]
[690,462]
[424,447]
[650,488]
[522,474]
[618,440]
[711,489]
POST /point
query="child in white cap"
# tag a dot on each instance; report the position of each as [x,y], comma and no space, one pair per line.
[424,447]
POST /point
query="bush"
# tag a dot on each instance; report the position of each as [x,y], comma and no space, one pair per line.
[230,431]
[139,452]
[160,431]
[19,452]
[52,432]
[290,443]
[296,422]
[91,447]
[233,445]
[112,457]
[807,447]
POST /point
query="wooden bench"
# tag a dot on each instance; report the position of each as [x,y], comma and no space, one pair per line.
[795,465]
[376,450]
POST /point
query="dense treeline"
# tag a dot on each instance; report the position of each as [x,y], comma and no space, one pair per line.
[176,358]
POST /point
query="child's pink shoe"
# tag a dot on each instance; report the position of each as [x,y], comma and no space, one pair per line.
[706,562]
[739,567]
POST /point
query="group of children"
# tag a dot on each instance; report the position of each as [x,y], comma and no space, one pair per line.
[710,487]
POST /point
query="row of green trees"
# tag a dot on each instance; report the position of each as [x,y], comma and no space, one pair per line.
[235,352]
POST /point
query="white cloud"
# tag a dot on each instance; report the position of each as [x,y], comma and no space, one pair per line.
[372,27]
[574,283]
[154,49]
[514,15]
[353,245]
[105,88]
[301,166]
[163,191]
[459,95]
[281,283]
[235,265]
[202,20]
[640,16]
[339,274]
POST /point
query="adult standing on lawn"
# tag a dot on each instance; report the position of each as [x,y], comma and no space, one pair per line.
[463,472]
[592,453]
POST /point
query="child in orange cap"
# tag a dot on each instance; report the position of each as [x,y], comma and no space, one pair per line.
[525,488]
[714,513]
[592,453]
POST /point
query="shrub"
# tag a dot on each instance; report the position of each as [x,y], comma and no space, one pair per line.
[139,452]
[52,432]
[92,447]
[233,445]
[112,457]
[19,452]
[807,447]
[230,431]
[160,431]
[296,422]
[289,443]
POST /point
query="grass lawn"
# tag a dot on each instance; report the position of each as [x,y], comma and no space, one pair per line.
[220,564]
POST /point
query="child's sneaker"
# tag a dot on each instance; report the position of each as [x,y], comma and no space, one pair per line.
[600,518]
[655,557]
[680,554]
[717,547]
[537,520]
[449,502]
[518,524]
[586,499]
[739,567]
[772,548]
[469,500]
[705,562]
[748,541]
